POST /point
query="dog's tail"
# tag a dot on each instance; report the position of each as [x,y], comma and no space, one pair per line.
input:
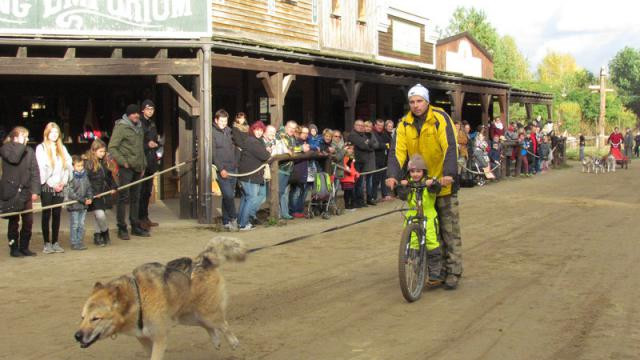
[222,248]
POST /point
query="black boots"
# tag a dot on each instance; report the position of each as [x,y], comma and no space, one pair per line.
[13,249]
[105,237]
[97,239]
[123,234]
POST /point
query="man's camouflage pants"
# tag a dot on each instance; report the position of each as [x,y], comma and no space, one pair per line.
[447,207]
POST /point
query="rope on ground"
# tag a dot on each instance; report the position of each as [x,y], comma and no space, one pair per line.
[119,188]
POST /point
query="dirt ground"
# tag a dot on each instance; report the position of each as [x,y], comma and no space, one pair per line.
[552,271]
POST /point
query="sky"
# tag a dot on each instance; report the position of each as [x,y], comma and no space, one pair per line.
[592,34]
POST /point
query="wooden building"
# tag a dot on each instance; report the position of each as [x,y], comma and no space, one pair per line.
[462,53]
[321,61]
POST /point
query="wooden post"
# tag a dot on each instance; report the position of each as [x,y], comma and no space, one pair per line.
[529,108]
[457,99]
[350,90]
[205,152]
[276,86]
[485,100]
[549,112]
[186,152]
[504,108]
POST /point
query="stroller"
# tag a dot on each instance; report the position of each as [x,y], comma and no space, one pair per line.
[323,197]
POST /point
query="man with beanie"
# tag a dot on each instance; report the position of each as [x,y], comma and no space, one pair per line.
[127,148]
[429,131]
[150,147]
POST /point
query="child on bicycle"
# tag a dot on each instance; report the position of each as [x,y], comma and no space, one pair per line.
[418,175]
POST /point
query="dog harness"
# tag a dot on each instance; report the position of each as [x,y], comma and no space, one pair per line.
[139,300]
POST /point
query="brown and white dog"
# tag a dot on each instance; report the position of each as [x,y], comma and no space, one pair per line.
[154,297]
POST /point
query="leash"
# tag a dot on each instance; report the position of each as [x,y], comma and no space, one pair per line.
[139,301]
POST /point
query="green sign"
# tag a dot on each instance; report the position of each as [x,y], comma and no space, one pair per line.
[111,18]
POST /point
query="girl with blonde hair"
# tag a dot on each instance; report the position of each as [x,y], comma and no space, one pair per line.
[56,168]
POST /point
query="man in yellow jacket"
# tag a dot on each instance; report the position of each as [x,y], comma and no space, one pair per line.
[429,131]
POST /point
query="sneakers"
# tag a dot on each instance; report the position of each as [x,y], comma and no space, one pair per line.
[57,248]
[286,217]
[231,225]
[47,248]
[80,246]
[247,227]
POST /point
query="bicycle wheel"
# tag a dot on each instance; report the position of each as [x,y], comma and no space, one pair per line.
[411,265]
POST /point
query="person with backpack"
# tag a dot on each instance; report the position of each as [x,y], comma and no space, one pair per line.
[19,187]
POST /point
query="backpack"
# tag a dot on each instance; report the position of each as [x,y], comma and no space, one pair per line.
[322,187]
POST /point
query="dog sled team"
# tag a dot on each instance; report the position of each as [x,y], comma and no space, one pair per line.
[608,163]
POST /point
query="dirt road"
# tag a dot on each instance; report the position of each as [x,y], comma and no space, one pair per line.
[552,271]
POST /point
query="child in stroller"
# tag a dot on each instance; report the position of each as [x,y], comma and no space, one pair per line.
[323,197]
[480,159]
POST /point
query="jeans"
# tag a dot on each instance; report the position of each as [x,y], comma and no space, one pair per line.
[581,153]
[254,196]
[283,191]
[297,197]
[371,190]
[77,226]
[129,196]
[228,189]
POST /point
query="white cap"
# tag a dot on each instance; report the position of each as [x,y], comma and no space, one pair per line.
[419,90]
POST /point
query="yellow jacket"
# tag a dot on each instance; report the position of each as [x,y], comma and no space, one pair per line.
[436,142]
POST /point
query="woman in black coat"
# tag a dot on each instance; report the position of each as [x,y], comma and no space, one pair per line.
[19,187]
[101,179]
[252,155]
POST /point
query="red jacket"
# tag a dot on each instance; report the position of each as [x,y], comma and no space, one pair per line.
[350,173]
[534,142]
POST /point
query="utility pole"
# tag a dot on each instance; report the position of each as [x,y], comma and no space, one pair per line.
[602,89]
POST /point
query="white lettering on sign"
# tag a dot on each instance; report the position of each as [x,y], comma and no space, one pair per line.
[15,8]
[71,13]
[128,18]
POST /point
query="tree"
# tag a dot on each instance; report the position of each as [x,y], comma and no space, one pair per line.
[475,22]
[557,69]
[625,75]
[508,62]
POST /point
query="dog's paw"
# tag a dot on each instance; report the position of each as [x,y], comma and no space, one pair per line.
[233,341]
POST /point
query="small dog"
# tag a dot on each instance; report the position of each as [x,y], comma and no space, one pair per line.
[610,160]
[598,165]
[154,297]
[588,164]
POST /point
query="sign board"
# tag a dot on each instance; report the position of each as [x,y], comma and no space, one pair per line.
[463,61]
[172,19]
[406,37]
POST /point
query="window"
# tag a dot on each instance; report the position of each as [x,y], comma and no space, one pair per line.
[271,7]
[362,11]
[336,8]
[314,11]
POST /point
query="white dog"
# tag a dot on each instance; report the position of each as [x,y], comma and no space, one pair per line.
[611,163]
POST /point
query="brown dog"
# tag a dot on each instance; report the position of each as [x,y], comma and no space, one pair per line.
[147,303]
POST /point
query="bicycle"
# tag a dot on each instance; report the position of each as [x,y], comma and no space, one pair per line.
[412,263]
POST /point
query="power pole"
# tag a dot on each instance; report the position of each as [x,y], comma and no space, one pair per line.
[602,89]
